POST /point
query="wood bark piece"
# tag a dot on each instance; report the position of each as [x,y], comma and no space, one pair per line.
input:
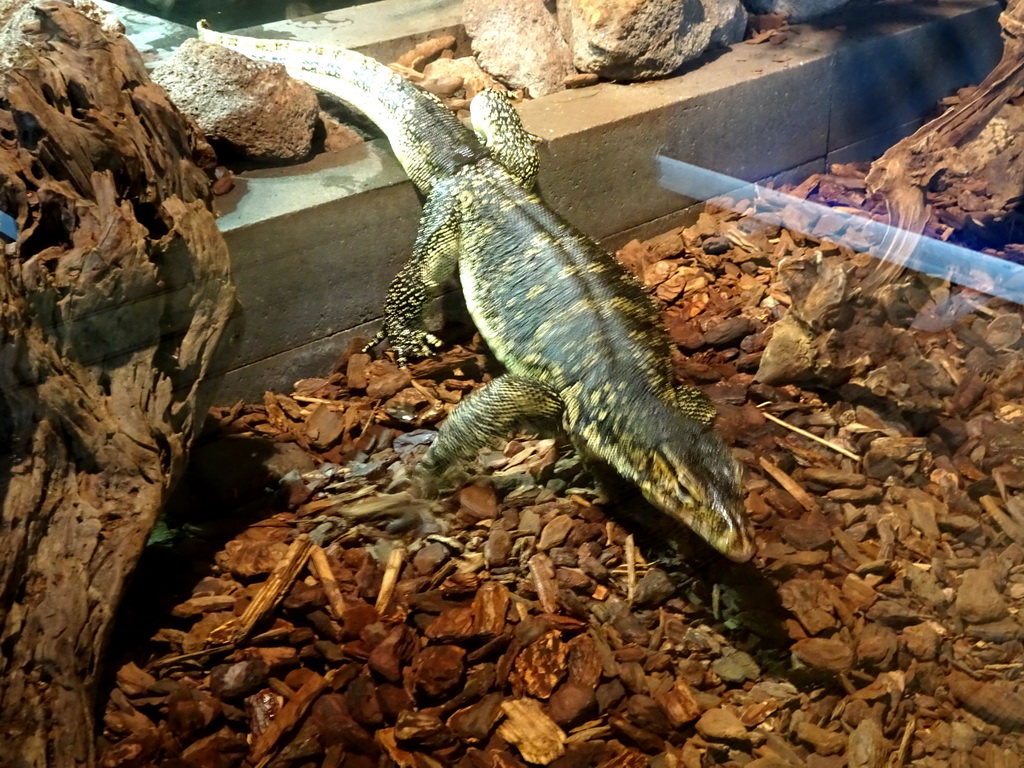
[489,609]
[537,737]
[270,594]
[322,570]
[290,714]
[790,485]
[540,665]
[994,701]
[542,571]
[114,296]
[396,558]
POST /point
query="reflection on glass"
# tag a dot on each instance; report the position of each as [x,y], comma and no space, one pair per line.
[969,268]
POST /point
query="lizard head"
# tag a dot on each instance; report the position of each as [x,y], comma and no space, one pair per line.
[497,124]
[699,483]
[681,465]
[673,454]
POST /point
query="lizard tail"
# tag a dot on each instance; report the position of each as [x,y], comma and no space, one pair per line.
[385,97]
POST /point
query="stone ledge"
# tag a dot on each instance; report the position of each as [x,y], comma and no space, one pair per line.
[384,30]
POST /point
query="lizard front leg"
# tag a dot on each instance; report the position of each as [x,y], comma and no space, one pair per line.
[486,416]
[694,404]
[434,260]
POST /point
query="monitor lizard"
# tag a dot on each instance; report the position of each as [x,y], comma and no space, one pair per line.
[582,343]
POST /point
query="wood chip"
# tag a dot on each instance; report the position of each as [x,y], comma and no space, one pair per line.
[790,485]
[270,594]
[290,714]
[322,570]
[396,558]
[527,727]
[543,577]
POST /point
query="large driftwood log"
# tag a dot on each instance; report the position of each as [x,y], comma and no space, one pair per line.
[114,295]
[902,175]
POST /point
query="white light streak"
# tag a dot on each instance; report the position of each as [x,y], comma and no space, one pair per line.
[963,266]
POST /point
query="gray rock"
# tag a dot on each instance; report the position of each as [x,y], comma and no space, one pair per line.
[794,10]
[255,107]
[640,40]
[233,681]
[736,667]
[721,724]
[730,21]
[519,42]
[654,589]
[978,600]
[866,747]
[789,356]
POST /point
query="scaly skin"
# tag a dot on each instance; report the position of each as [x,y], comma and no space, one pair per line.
[582,342]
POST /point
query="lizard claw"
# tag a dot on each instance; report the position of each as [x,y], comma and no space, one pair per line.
[423,345]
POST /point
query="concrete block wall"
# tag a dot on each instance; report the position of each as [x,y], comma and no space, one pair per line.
[314,246]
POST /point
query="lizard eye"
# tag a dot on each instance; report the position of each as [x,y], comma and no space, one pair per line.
[684,496]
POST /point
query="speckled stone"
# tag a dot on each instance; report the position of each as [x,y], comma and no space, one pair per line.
[254,107]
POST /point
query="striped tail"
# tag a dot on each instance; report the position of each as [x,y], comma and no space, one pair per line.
[427,138]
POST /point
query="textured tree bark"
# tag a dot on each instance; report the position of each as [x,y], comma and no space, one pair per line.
[903,173]
[114,295]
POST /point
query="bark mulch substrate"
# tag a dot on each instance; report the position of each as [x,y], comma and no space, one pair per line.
[519,621]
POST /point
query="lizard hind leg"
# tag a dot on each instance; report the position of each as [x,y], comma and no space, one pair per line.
[488,415]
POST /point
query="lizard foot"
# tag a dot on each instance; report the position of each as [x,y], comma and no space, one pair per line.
[407,343]
[431,482]
[394,513]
